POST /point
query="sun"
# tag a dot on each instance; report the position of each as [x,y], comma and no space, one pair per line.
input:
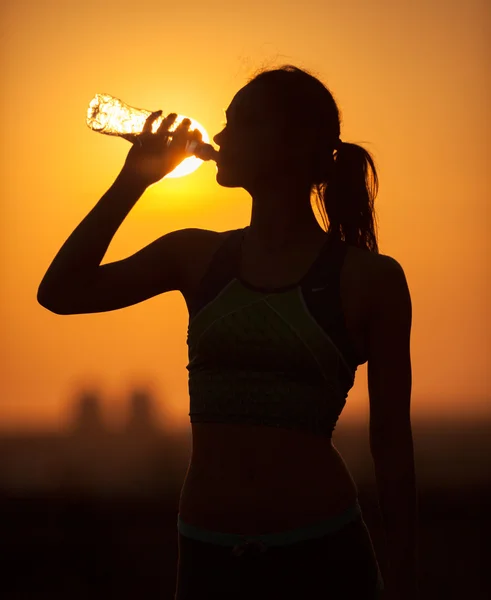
[190,164]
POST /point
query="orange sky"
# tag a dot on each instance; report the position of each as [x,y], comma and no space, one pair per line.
[412,81]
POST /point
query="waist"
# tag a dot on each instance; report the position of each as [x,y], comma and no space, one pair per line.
[240,474]
[239,448]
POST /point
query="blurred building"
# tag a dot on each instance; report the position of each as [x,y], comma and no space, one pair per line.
[141,415]
[91,457]
[88,418]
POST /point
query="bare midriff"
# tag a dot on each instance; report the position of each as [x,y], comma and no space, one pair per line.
[256,479]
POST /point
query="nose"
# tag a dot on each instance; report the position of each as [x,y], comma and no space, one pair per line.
[218,137]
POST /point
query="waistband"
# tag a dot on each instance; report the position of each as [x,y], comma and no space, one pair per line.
[281,538]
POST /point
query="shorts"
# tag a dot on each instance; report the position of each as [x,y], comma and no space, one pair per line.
[331,560]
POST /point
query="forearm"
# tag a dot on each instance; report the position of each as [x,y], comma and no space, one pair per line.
[86,246]
[398,499]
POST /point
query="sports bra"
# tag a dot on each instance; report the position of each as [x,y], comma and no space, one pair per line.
[278,358]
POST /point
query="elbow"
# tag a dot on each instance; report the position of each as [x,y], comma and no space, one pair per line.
[42,298]
[48,301]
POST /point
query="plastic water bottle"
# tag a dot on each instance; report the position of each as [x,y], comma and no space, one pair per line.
[111,116]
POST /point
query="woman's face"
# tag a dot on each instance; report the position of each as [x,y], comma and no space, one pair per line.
[256,144]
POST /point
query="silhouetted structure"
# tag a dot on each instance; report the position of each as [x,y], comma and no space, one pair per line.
[141,418]
[88,417]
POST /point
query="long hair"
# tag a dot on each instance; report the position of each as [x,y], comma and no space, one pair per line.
[340,177]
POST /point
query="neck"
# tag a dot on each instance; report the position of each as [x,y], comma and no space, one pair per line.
[281,219]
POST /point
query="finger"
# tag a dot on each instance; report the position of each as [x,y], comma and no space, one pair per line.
[196,133]
[181,134]
[182,129]
[166,123]
[147,128]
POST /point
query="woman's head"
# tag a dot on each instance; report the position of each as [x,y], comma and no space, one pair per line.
[284,125]
[276,126]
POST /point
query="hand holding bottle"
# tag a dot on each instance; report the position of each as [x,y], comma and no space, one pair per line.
[154,155]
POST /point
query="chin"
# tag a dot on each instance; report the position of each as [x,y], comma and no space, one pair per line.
[227,179]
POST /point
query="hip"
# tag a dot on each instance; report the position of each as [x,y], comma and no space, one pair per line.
[338,564]
[274,504]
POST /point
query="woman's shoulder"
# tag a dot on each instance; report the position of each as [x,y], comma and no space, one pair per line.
[369,269]
[203,245]
[375,261]
[376,271]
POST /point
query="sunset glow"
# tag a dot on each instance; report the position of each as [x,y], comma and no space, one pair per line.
[412,84]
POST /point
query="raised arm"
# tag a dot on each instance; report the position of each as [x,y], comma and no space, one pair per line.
[75,282]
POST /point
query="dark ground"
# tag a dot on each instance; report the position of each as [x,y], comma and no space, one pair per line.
[73,526]
[56,546]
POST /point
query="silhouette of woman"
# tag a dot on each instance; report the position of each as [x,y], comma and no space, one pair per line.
[281,315]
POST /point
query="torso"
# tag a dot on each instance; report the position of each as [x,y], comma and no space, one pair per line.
[255,479]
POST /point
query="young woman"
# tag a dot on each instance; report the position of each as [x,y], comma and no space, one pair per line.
[281,315]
